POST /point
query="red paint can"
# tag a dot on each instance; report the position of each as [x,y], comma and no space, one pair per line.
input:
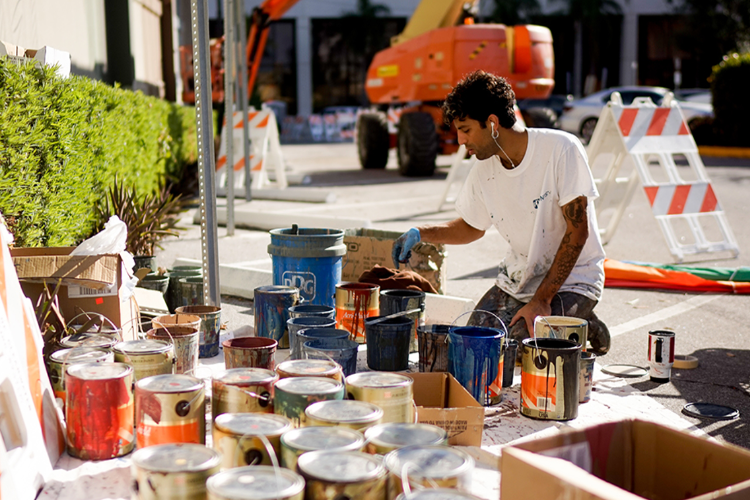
[660,355]
[99,410]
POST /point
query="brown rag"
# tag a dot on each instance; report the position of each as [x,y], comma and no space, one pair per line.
[393,279]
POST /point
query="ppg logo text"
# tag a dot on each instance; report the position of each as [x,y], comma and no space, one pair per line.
[304,281]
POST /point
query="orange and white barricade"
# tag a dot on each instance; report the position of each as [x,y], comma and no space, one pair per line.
[648,139]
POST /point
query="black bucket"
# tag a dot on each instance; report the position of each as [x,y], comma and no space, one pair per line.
[549,378]
[433,348]
[388,343]
[396,301]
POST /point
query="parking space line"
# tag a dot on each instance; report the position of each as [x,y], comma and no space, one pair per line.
[666,313]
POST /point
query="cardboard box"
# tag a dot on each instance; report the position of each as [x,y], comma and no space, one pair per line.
[444,402]
[366,248]
[91,283]
[625,460]
[49,56]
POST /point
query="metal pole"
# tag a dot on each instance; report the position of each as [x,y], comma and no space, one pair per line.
[228,130]
[206,162]
[243,96]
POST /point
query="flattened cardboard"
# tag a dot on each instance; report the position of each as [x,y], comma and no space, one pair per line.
[626,460]
[441,400]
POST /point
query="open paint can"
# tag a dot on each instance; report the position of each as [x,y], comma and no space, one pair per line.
[660,355]
[549,378]
[298,441]
[242,438]
[243,390]
[173,471]
[342,474]
[256,482]
[357,415]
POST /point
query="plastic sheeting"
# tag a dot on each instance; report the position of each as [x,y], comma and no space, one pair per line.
[625,275]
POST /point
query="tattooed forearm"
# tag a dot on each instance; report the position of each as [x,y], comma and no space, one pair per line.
[575,212]
[565,261]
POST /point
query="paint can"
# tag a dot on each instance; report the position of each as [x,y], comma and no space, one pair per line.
[586,377]
[562,327]
[357,415]
[660,355]
[295,325]
[342,474]
[310,310]
[292,395]
[173,471]
[272,305]
[309,334]
[191,291]
[92,340]
[174,292]
[158,282]
[250,352]
[549,378]
[388,343]
[354,303]
[257,482]
[475,359]
[170,409]
[433,348]
[184,340]
[176,319]
[391,392]
[210,326]
[394,301]
[59,360]
[310,368]
[147,357]
[428,467]
[384,438]
[342,351]
[243,390]
[240,438]
[437,494]
[308,259]
[99,410]
[298,441]
[510,353]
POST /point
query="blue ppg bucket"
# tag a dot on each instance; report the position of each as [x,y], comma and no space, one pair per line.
[475,360]
[308,259]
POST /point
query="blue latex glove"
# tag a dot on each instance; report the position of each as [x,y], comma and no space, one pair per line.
[403,245]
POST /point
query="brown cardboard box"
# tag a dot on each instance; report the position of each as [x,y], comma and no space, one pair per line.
[625,460]
[92,283]
[367,247]
[441,400]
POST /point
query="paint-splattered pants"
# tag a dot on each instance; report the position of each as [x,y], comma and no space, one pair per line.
[503,305]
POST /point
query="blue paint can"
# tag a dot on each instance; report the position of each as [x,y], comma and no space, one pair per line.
[388,343]
[475,360]
[272,305]
[307,334]
[308,259]
[308,310]
[342,351]
[295,325]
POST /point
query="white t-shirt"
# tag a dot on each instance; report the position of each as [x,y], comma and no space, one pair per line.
[524,204]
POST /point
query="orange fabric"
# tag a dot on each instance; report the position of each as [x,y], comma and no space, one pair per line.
[622,275]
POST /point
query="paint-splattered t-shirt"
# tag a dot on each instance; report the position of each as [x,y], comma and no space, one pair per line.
[524,204]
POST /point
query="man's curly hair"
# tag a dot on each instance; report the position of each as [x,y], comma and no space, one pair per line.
[478,96]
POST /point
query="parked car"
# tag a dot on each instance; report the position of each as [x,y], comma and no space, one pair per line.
[694,95]
[580,116]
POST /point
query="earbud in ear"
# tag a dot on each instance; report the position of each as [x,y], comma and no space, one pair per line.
[492,126]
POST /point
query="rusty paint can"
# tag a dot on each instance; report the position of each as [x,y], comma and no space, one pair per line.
[428,467]
[96,340]
[170,409]
[59,360]
[550,371]
[250,352]
[241,438]
[173,471]
[354,303]
[310,368]
[298,441]
[384,438]
[342,474]
[185,342]
[99,410]
[147,357]
[562,327]
[390,391]
[292,395]
[243,390]
[272,305]
[256,482]
[357,415]
[210,326]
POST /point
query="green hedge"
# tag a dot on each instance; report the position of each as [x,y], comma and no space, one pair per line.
[63,142]
[731,100]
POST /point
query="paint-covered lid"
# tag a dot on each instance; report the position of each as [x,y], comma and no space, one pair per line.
[323,438]
[429,461]
[170,383]
[379,379]
[255,424]
[80,355]
[340,466]
[344,411]
[397,435]
[145,346]
[277,289]
[437,494]
[89,340]
[99,371]
[309,385]
[308,367]
[247,376]
[177,457]
[255,482]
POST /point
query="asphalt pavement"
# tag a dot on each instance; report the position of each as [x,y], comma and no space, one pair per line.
[712,327]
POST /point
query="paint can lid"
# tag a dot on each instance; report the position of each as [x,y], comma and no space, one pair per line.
[277,289]
[255,482]
[308,367]
[429,461]
[437,494]
[625,371]
[99,371]
[80,355]
[309,385]
[710,410]
[340,466]
[176,457]
[344,411]
[247,376]
[145,346]
[89,340]
[398,435]
[254,424]
[379,379]
[323,438]
[170,383]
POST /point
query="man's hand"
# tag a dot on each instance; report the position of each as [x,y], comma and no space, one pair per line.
[529,312]
[403,245]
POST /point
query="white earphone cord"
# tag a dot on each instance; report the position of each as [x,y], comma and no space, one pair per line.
[494,136]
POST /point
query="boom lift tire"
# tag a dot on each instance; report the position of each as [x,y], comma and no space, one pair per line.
[540,118]
[417,145]
[372,140]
